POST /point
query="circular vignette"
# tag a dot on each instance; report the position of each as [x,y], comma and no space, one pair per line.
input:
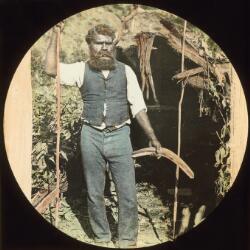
[213,104]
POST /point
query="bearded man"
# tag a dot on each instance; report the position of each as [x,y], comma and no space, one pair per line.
[109,88]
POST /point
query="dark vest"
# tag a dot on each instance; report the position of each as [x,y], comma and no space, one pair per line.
[96,90]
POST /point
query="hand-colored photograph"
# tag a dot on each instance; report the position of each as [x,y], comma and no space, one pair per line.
[131,135]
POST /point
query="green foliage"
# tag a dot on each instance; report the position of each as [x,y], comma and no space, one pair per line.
[44,125]
[219,101]
[42,179]
[118,9]
[217,105]
[222,162]
[222,182]
[65,212]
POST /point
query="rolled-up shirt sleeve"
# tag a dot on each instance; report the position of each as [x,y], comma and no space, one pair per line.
[72,74]
[134,93]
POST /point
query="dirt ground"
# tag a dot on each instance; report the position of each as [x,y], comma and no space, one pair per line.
[154,217]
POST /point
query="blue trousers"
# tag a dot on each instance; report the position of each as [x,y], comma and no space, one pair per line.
[99,148]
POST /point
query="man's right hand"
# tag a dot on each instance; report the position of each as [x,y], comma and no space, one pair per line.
[58,27]
[51,55]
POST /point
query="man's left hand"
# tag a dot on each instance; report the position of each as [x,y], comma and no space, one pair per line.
[157,145]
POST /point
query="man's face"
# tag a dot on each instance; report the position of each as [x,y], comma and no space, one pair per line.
[102,52]
[101,44]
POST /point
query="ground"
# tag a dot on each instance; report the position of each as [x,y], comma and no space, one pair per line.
[154,217]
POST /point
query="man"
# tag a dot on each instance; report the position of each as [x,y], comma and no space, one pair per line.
[108,88]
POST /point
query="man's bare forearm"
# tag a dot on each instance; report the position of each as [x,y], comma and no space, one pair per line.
[50,59]
[143,120]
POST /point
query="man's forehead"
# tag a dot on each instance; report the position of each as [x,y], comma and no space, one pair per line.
[101,38]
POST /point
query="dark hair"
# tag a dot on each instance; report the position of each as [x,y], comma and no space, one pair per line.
[100,29]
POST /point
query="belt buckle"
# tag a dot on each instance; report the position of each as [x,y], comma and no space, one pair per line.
[109,129]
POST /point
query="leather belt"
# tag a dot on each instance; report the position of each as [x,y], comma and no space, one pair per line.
[106,130]
[109,129]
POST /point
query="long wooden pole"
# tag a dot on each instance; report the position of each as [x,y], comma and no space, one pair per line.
[177,173]
[58,131]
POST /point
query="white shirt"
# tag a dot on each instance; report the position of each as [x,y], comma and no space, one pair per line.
[73,74]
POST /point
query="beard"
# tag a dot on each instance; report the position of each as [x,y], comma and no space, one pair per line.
[103,60]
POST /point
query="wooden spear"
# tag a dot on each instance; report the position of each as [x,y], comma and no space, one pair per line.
[177,173]
[58,126]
